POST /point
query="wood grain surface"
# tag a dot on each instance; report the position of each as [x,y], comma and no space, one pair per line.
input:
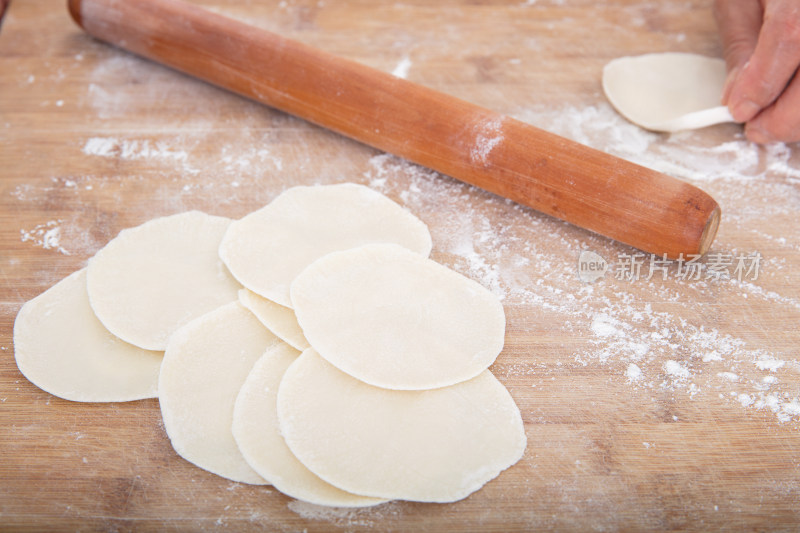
[668,403]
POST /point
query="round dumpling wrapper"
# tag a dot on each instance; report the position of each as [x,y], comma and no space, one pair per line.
[395,319]
[152,279]
[62,348]
[667,91]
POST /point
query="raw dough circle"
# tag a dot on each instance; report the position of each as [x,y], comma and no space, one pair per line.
[435,445]
[256,430]
[154,278]
[266,249]
[278,319]
[205,365]
[395,319]
[62,348]
[657,91]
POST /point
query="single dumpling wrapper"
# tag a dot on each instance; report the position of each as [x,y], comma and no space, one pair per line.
[268,248]
[667,91]
[62,348]
[152,279]
[395,319]
[205,366]
[436,445]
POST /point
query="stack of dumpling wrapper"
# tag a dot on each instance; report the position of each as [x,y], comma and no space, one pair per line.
[311,345]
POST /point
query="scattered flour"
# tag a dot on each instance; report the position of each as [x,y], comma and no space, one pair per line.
[770,364]
[402,68]
[783,410]
[488,135]
[368,517]
[128,149]
[633,373]
[676,370]
[47,236]
[605,326]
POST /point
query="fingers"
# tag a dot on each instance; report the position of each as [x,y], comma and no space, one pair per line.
[739,23]
[780,121]
[773,62]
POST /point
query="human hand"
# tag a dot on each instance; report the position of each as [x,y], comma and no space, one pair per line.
[761,39]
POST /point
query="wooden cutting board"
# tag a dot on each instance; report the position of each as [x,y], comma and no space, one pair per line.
[648,404]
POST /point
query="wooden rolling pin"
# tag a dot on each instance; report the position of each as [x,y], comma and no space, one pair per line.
[591,189]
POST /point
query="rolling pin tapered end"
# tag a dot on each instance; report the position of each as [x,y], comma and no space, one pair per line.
[710,231]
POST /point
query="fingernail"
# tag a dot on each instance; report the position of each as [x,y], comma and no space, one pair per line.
[757,135]
[744,110]
[726,88]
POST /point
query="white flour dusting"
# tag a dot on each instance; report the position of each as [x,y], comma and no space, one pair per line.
[47,236]
[488,135]
[633,373]
[605,326]
[132,149]
[402,68]
[367,517]
[676,370]
[770,364]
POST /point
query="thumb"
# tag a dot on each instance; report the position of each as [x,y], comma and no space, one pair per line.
[739,23]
